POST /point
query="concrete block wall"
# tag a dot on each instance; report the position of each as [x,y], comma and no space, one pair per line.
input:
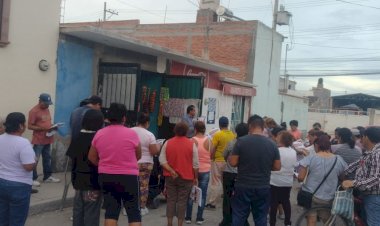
[330,121]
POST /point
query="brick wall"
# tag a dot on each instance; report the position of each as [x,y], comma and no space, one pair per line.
[229,43]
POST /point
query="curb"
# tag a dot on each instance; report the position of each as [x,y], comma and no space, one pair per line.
[48,206]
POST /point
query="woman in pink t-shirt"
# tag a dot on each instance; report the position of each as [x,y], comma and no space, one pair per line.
[116,150]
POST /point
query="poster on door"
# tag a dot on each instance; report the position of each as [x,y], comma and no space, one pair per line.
[211,110]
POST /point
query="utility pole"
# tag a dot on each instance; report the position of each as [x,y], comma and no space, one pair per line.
[105,11]
[166,10]
[274,25]
[286,78]
[275,11]
[63,8]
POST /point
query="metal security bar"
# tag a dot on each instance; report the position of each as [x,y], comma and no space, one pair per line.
[117,83]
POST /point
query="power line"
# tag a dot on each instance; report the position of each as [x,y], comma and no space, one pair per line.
[351,71]
[353,3]
[191,2]
[334,75]
[350,27]
[330,59]
[333,47]
[147,11]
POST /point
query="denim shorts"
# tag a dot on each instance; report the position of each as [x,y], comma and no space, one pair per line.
[14,202]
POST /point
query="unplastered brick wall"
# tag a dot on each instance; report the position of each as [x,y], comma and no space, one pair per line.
[229,43]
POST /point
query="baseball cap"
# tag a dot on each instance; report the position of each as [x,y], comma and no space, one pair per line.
[45,98]
[223,121]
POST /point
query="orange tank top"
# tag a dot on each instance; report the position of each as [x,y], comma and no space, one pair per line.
[203,154]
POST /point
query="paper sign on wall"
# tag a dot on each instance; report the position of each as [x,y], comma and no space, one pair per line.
[211,110]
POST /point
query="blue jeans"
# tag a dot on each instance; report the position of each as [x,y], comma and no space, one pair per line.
[14,202]
[44,150]
[372,209]
[203,179]
[246,200]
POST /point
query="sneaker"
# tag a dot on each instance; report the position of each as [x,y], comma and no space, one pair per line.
[34,191]
[71,218]
[52,180]
[187,221]
[200,221]
[210,206]
[144,211]
[124,212]
[36,183]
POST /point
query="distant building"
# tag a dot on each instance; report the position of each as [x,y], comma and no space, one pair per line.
[286,84]
[359,100]
[321,98]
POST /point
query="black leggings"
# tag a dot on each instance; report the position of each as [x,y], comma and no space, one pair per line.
[119,189]
[280,195]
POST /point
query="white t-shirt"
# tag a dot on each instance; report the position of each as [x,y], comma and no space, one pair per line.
[311,150]
[146,138]
[284,177]
[15,151]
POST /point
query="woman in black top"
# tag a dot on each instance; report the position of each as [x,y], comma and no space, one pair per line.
[84,174]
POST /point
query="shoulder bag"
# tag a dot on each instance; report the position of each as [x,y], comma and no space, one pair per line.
[305,198]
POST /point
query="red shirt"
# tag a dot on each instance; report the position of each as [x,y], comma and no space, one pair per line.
[179,154]
[296,134]
[41,118]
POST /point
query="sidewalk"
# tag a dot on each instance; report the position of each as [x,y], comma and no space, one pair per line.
[49,195]
[43,206]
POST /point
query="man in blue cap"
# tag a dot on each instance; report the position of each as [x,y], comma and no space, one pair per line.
[39,122]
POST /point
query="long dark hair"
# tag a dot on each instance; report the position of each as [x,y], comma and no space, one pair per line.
[346,137]
[116,113]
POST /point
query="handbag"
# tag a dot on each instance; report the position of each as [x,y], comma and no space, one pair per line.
[305,198]
[343,204]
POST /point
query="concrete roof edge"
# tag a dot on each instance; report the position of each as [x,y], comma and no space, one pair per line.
[290,95]
[269,28]
[169,53]
[236,82]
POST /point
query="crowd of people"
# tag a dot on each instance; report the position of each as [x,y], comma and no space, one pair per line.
[253,167]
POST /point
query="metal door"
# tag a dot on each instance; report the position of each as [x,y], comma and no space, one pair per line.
[237,111]
[117,83]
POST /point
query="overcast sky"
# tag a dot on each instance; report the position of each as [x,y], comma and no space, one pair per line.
[329,36]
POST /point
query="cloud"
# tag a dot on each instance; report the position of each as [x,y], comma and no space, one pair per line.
[320,19]
[352,84]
